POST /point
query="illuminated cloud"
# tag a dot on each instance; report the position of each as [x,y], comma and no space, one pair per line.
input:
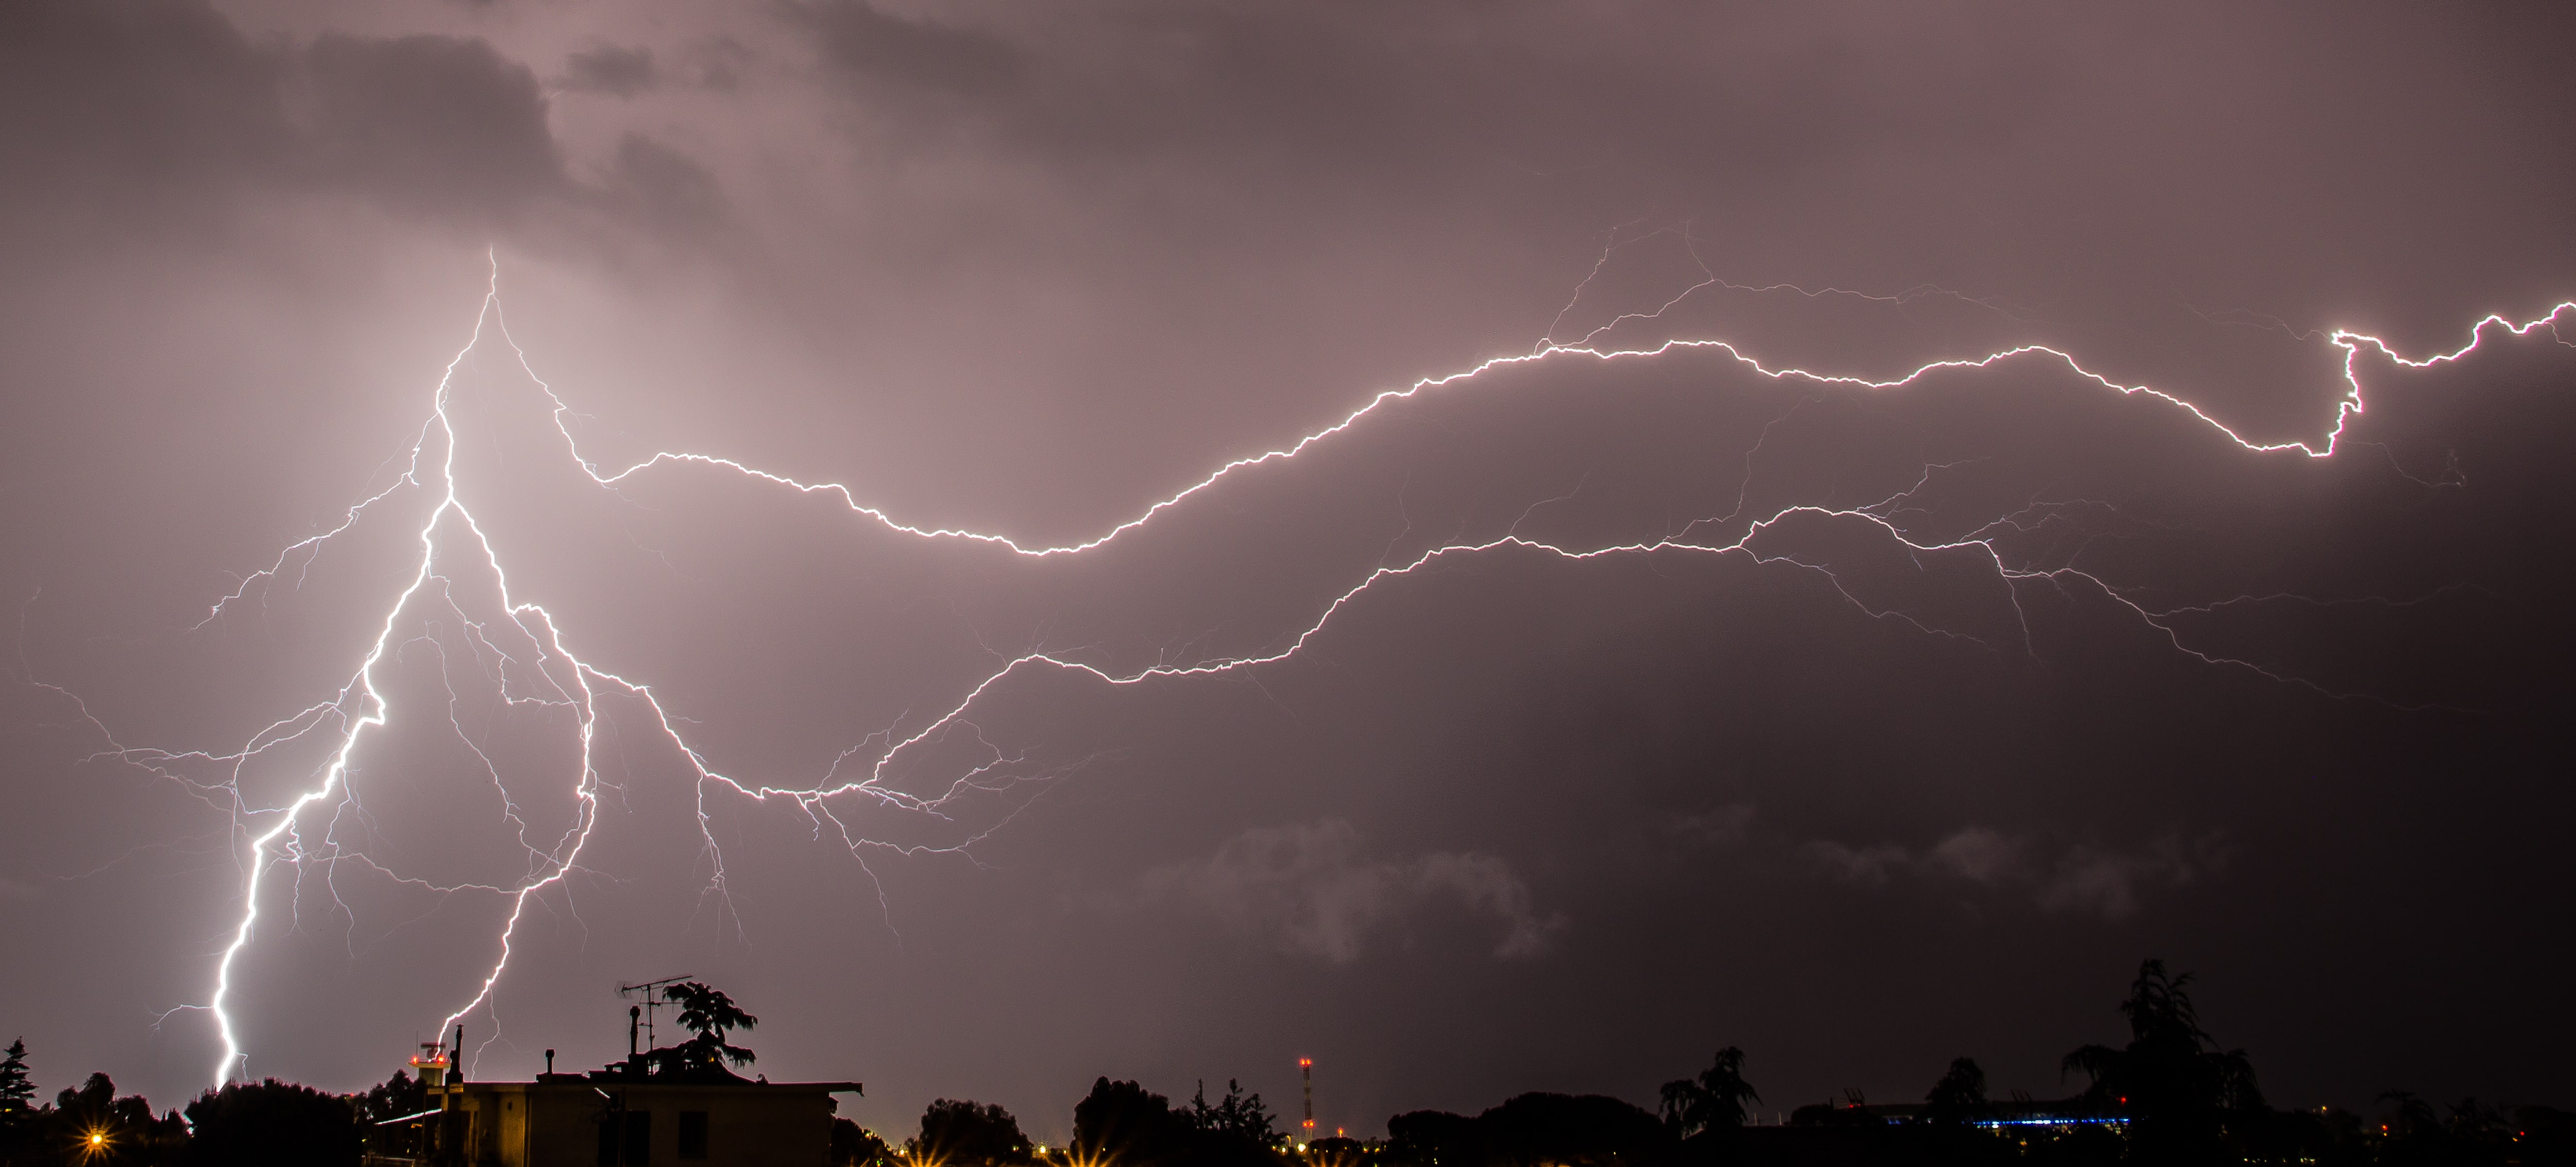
[1521,646]
[2077,877]
[1309,890]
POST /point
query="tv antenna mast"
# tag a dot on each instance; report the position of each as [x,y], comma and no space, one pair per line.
[652,1001]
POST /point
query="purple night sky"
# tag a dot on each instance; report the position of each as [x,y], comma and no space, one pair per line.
[1610,692]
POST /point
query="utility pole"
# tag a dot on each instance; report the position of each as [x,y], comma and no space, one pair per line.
[1306,1071]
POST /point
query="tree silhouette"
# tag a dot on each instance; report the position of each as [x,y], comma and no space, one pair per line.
[16,1092]
[2413,1115]
[710,1014]
[2171,1082]
[1573,1130]
[91,1125]
[1959,1098]
[1238,1115]
[272,1124]
[1125,1122]
[1431,1137]
[857,1146]
[2477,1124]
[1237,1130]
[959,1133]
[1712,1101]
[19,1118]
[399,1096]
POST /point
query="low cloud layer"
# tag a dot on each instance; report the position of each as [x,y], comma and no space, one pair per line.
[2075,877]
[1309,890]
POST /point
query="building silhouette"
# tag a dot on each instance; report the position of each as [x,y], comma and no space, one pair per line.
[653,1108]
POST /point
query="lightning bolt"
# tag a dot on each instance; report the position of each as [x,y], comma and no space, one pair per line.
[559,680]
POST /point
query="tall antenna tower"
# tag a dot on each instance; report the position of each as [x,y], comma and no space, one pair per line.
[1306,1071]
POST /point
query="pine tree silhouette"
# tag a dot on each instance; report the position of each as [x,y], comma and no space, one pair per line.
[16,1092]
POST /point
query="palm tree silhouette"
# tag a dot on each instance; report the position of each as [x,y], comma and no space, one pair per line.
[1711,1101]
[710,1014]
[2171,1082]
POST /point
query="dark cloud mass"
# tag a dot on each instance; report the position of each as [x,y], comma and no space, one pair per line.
[623,72]
[1544,727]
[428,122]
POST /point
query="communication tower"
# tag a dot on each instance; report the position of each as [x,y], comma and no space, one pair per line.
[1306,1071]
[430,1064]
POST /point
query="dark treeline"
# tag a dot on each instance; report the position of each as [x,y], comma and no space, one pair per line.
[2169,1095]
[269,1122]
[1118,1122]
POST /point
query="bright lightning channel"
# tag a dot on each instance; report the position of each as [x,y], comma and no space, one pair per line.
[577,686]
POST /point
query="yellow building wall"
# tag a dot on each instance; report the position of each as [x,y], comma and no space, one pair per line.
[556,1124]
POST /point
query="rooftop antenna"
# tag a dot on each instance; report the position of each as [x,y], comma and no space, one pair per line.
[651,1002]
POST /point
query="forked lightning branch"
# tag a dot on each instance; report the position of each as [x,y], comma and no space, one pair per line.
[295,836]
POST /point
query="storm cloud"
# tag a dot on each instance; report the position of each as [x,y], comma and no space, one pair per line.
[1468,714]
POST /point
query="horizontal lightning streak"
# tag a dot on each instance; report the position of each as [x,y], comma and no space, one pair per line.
[2348,406]
[360,705]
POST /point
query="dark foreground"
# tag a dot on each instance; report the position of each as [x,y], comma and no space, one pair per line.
[2171,1095]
